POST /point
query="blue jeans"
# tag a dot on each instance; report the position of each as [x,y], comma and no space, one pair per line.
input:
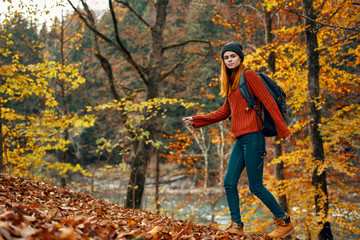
[248,152]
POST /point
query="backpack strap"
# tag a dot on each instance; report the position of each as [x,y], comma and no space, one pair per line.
[227,100]
[245,92]
[248,97]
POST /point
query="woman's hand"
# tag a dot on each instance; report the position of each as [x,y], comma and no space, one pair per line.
[287,138]
[188,121]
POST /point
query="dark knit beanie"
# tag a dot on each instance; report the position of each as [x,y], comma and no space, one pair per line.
[234,47]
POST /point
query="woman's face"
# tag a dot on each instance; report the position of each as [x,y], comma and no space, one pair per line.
[231,60]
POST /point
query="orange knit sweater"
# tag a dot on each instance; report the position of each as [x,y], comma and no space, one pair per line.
[242,121]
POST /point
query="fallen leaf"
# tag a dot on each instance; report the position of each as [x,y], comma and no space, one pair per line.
[67,234]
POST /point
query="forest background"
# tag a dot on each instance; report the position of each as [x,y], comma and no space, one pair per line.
[93,100]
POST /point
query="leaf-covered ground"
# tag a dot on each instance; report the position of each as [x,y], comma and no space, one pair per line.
[36,210]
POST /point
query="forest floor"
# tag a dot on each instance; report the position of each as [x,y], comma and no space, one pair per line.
[37,210]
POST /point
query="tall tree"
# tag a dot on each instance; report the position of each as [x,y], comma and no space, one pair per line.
[1,142]
[314,118]
[269,15]
[151,75]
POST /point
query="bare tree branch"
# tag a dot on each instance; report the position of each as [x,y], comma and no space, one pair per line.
[186,42]
[103,60]
[115,23]
[251,7]
[126,4]
[323,4]
[106,64]
[321,23]
[336,10]
[108,70]
[132,90]
[121,48]
[65,41]
[167,73]
[324,48]
[181,45]
[86,7]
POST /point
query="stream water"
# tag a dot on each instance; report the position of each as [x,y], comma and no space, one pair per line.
[197,208]
[193,207]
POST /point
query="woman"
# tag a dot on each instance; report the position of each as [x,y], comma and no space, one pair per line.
[249,149]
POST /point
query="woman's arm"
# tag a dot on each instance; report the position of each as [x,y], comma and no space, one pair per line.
[200,121]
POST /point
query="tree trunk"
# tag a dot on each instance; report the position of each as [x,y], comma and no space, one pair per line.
[63,94]
[157,183]
[140,162]
[2,168]
[200,140]
[279,167]
[269,41]
[314,117]
[220,149]
[280,174]
[206,160]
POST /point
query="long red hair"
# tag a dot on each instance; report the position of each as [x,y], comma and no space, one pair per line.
[226,87]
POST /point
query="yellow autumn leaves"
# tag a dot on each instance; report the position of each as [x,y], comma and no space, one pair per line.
[28,137]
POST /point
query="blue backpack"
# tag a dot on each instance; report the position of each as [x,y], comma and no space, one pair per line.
[276,92]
